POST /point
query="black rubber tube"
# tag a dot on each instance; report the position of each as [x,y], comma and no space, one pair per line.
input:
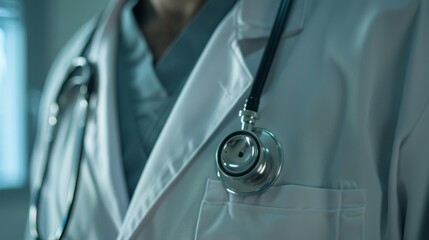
[252,102]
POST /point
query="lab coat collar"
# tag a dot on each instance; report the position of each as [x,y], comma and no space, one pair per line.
[216,88]
[255,18]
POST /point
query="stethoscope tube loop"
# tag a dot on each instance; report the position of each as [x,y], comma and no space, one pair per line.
[80,77]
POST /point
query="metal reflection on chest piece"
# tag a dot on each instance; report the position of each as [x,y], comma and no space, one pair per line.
[249,162]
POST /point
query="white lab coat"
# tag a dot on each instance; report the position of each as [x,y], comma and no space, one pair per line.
[347,99]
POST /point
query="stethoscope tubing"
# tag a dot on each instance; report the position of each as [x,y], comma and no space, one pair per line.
[252,101]
[85,89]
[81,76]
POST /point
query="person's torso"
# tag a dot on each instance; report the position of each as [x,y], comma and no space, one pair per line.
[332,101]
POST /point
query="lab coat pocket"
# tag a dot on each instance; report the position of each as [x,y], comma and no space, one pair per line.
[283,212]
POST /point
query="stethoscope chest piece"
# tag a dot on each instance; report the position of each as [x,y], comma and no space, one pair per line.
[249,162]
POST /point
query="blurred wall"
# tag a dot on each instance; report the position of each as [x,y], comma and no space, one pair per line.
[49,24]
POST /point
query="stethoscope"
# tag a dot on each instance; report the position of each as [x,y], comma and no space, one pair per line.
[248,161]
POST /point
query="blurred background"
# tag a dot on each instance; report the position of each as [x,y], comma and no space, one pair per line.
[31,34]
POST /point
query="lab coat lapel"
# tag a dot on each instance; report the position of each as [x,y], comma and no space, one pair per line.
[255,18]
[218,84]
[102,134]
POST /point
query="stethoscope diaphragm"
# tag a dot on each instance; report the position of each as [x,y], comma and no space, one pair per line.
[249,162]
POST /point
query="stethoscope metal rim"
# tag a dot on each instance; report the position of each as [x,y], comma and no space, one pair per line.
[252,183]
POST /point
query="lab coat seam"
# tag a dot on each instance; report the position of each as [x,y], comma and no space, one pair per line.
[395,191]
[339,215]
[406,74]
[197,225]
[339,209]
[416,123]
[404,141]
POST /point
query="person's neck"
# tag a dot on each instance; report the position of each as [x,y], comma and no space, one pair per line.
[176,12]
[162,20]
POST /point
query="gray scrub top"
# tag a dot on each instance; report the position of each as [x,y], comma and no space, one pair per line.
[147,93]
